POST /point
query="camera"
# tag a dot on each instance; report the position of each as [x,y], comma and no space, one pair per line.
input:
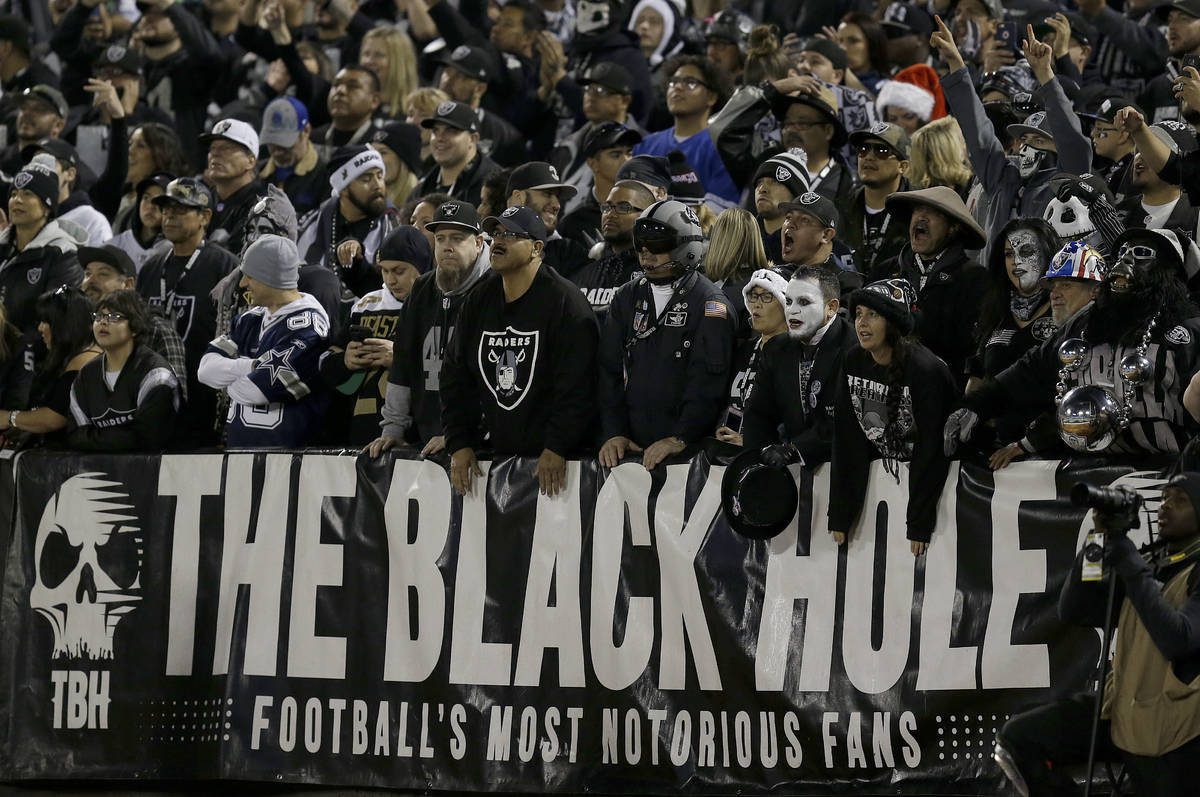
[1121,504]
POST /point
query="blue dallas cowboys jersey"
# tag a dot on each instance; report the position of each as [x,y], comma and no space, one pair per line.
[286,349]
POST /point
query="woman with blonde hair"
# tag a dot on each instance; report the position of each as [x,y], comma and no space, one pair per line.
[735,251]
[420,105]
[389,53]
[939,157]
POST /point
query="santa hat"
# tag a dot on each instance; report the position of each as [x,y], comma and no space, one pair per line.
[916,89]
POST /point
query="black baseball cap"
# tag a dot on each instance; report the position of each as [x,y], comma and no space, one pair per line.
[160,179]
[404,139]
[49,95]
[187,191]
[16,30]
[109,255]
[1082,31]
[518,219]
[1189,7]
[60,149]
[539,176]
[905,19]
[835,54]
[651,170]
[1107,110]
[471,61]
[609,75]
[125,59]
[607,135]
[455,213]
[455,114]
[815,205]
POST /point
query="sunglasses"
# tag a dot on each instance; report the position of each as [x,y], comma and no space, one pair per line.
[881,151]
[107,318]
[1138,251]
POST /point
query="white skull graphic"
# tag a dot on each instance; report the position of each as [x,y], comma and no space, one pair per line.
[88,555]
[1070,219]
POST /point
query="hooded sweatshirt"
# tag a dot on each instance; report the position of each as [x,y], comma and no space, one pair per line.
[412,407]
[47,262]
[671,42]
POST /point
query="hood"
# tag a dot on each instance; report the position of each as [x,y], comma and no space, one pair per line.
[671,42]
[62,234]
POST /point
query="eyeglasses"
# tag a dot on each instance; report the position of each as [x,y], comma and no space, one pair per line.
[760,297]
[689,83]
[620,208]
[107,318]
[509,235]
[802,126]
[881,151]
[596,90]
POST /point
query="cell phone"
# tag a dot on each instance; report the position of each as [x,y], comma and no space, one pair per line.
[1009,34]
[360,333]
[1192,60]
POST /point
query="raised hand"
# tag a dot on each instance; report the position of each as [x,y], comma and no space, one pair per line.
[942,40]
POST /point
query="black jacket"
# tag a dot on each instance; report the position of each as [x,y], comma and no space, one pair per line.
[948,304]
[667,375]
[528,367]
[228,225]
[860,416]
[137,414]
[618,46]
[600,279]
[469,185]
[306,185]
[868,259]
[805,411]
[46,263]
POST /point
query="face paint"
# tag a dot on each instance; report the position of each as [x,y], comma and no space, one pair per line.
[805,308]
[1027,268]
[1030,160]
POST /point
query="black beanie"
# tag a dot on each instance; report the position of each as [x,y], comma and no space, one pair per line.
[41,181]
[894,299]
[408,244]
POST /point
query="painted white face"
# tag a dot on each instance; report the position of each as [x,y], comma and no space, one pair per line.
[1026,270]
[805,308]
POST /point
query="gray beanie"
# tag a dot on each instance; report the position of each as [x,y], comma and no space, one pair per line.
[273,260]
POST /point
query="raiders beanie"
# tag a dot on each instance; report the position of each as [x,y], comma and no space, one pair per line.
[42,181]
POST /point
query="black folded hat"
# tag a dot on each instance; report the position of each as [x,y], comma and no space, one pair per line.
[455,213]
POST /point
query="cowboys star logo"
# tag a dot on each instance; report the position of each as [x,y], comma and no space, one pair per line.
[507,362]
[279,363]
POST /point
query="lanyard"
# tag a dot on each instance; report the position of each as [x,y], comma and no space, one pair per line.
[821,175]
[168,297]
[878,242]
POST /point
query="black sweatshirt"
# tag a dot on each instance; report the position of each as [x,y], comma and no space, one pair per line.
[137,414]
[860,416]
[528,367]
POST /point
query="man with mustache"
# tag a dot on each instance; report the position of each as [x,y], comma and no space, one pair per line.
[799,374]
[347,231]
[949,282]
[1141,299]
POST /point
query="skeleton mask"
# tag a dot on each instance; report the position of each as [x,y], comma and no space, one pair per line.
[805,308]
[89,559]
[592,17]
[1070,219]
[1030,160]
[1027,266]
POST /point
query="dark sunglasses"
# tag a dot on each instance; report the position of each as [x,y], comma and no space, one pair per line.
[881,151]
[654,236]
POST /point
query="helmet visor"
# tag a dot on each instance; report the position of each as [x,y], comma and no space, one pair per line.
[654,236]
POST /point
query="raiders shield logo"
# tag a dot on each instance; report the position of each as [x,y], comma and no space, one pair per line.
[880,127]
[1179,336]
[34,275]
[445,108]
[1044,328]
[22,179]
[507,362]
[782,175]
[460,52]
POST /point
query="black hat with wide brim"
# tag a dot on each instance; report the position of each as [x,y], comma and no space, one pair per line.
[758,501]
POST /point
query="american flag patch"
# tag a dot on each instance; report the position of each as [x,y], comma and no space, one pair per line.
[715,310]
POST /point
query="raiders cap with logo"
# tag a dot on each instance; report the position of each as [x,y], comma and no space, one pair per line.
[539,176]
[815,205]
[1177,136]
[607,135]
[788,168]
[519,219]
[455,114]
[49,95]
[890,135]
[128,61]
[187,191]
[455,213]
[234,130]
[471,61]
[404,140]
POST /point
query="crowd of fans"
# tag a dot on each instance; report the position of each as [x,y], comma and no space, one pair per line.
[837,231]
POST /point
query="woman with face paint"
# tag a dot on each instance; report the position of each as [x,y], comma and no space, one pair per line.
[893,402]
[764,298]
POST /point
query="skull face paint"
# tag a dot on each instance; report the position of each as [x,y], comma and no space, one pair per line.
[89,558]
[1021,256]
[805,308]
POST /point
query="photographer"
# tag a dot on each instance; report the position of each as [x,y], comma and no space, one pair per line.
[1151,719]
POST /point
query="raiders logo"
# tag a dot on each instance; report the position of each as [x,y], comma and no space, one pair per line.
[1043,329]
[445,108]
[460,52]
[1180,336]
[814,393]
[507,362]
[1172,124]
[880,127]
[553,173]
[22,180]
[222,127]
[782,175]
[510,212]
[810,198]
[115,53]
[690,216]
[34,275]
[449,210]
[379,135]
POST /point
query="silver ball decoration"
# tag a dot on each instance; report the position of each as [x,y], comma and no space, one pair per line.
[1088,419]
[1075,354]
[1136,368]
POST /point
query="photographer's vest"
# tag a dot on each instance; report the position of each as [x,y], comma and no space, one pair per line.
[1152,711]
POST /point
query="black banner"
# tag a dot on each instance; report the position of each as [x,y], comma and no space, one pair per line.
[326,619]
